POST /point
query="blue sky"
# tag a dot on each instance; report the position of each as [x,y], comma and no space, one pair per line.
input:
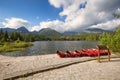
[61,15]
[28,9]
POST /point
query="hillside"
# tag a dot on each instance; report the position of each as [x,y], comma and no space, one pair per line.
[49,32]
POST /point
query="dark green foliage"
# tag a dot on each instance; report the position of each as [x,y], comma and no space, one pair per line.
[87,37]
[112,40]
[5,36]
[27,37]
[1,34]
[92,37]
[14,46]
[15,35]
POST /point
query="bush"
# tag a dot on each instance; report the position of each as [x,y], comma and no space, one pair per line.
[112,40]
[14,46]
[22,44]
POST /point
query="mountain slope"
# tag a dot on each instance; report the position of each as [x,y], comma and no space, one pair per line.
[69,33]
[22,30]
[49,32]
[95,30]
[8,29]
[34,32]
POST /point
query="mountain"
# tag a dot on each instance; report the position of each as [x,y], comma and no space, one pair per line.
[45,31]
[8,29]
[34,32]
[70,33]
[22,30]
[95,30]
[49,32]
[53,33]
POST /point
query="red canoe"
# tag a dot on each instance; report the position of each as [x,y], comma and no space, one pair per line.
[61,54]
[94,52]
[81,53]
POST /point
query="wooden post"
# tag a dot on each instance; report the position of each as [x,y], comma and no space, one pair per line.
[101,47]
[98,53]
[108,54]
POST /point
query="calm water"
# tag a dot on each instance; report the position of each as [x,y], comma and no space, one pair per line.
[50,47]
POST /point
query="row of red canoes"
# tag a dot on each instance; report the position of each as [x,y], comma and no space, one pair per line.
[81,53]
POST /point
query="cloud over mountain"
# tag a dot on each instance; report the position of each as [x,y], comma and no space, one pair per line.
[107,25]
[15,22]
[55,24]
[84,13]
[79,14]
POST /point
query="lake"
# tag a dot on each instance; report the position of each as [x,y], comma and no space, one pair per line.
[50,47]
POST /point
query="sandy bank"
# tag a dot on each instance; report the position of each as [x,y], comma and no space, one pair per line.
[12,66]
[91,70]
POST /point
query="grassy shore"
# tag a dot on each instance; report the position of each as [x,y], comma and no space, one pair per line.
[14,46]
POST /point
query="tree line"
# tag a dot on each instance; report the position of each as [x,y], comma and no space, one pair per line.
[86,37]
[112,40]
[27,37]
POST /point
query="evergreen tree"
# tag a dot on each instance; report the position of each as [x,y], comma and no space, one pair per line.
[1,34]
[6,36]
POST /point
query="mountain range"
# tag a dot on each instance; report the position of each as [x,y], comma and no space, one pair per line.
[51,32]
[95,30]
[21,30]
[45,31]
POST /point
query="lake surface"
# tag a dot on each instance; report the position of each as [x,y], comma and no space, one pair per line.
[50,47]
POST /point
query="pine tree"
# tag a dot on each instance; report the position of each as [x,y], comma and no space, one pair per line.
[6,36]
[1,34]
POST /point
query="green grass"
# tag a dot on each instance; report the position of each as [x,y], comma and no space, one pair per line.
[14,46]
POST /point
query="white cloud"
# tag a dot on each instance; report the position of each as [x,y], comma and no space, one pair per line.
[0,24]
[56,24]
[107,25]
[95,12]
[15,22]
[60,3]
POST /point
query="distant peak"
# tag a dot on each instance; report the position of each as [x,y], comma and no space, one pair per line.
[46,29]
[22,29]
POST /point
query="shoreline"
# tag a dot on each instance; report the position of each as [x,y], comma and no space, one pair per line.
[15,66]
